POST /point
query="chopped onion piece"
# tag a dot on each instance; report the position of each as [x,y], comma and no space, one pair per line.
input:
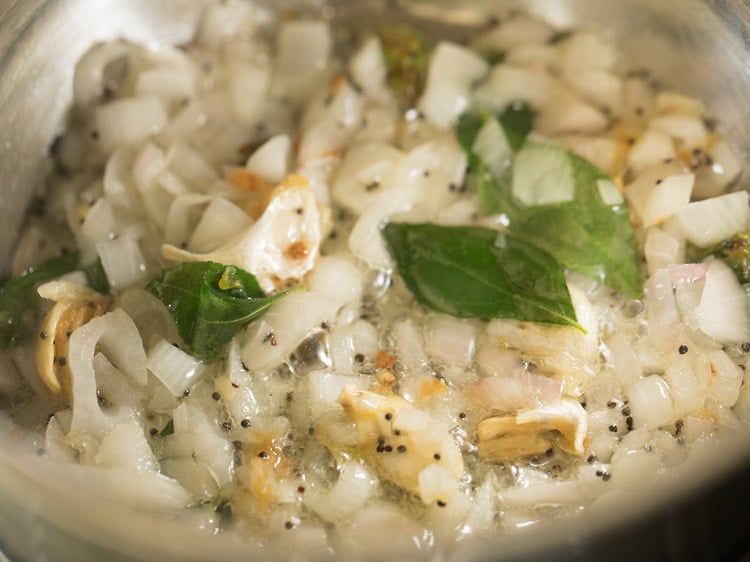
[122,261]
[542,175]
[129,121]
[492,147]
[347,496]
[651,402]
[177,370]
[723,311]
[272,160]
[221,221]
[453,70]
[609,192]
[125,446]
[710,221]
[303,51]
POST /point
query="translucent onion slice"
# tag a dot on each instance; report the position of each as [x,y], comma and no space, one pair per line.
[708,222]
[723,310]
[176,369]
[347,496]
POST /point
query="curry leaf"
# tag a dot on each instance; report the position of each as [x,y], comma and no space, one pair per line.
[474,272]
[584,234]
[20,305]
[406,53]
[210,302]
[734,251]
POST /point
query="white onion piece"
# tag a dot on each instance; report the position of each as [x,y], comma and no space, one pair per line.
[142,491]
[384,533]
[436,483]
[166,83]
[507,83]
[566,112]
[366,170]
[191,475]
[249,84]
[97,227]
[723,310]
[365,241]
[272,159]
[662,249]
[122,261]
[639,101]
[328,128]
[88,77]
[450,340]
[325,388]
[542,175]
[55,447]
[199,438]
[184,213]
[661,308]
[221,221]
[118,179]
[689,131]
[519,389]
[532,55]
[656,203]
[491,145]
[651,402]
[125,446]
[303,51]
[116,335]
[114,387]
[368,69]
[605,153]
[652,147]
[149,315]
[598,87]
[685,387]
[283,243]
[668,102]
[129,121]
[453,70]
[335,282]
[585,50]
[710,221]
[609,192]
[347,496]
[189,165]
[521,30]
[176,369]
[724,378]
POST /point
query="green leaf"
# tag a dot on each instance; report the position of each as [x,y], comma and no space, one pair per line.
[96,276]
[516,122]
[167,429]
[210,302]
[474,272]
[20,305]
[585,234]
[407,57]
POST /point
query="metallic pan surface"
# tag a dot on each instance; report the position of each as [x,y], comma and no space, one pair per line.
[700,47]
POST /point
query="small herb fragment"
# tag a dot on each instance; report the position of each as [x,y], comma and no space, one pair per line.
[735,252]
[209,303]
[474,272]
[168,429]
[20,305]
[406,54]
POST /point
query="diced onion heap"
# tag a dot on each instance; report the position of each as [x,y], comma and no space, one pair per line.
[347,405]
